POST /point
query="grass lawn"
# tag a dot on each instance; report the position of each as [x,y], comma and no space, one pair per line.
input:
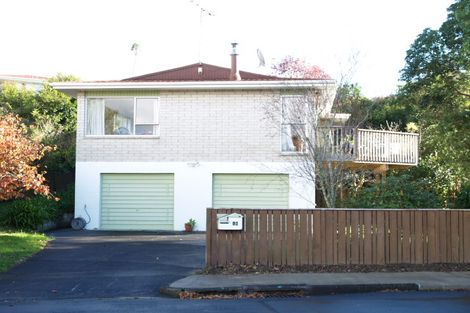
[15,247]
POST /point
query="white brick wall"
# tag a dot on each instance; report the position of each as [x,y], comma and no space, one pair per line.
[194,126]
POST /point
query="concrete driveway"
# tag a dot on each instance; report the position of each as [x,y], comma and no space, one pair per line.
[92,264]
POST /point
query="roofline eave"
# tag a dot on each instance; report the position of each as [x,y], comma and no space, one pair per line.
[72,88]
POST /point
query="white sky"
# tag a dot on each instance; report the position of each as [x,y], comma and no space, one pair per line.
[92,38]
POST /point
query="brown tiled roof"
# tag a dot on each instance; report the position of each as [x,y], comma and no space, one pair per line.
[191,73]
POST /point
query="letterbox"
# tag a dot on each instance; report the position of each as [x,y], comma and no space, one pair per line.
[232,221]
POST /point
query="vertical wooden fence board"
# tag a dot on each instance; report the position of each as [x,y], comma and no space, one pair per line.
[466,236]
[328,231]
[381,237]
[277,235]
[290,214]
[263,237]
[209,237]
[316,242]
[341,237]
[348,236]
[433,253]
[399,237]
[393,232]
[442,222]
[304,260]
[454,238]
[222,244]
[406,233]
[322,237]
[249,254]
[367,237]
[335,237]
[461,236]
[354,237]
[418,238]
[361,236]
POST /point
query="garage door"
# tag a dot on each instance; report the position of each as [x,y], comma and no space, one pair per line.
[250,191]
[137,201]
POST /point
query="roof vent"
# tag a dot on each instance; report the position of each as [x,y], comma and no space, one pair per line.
[234,73]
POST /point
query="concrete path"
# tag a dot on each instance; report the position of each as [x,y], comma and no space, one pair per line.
[340,282]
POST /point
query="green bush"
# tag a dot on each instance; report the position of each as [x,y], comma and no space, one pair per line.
[396,191]
[463,199]
[28,214]
[67,199]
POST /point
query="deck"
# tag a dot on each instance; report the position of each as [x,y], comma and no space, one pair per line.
[378,150]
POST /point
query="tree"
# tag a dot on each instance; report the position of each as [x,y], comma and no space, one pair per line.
[437,76]
[312,128]
[291,67]
[50,117]
[18,154]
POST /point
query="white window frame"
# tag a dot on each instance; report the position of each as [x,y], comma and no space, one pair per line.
[157,109]
[298,96]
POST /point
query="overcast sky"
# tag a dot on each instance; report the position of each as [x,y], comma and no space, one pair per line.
[92,39]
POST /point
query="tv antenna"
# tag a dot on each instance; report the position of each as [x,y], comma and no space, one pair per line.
[202,12]
[135,49]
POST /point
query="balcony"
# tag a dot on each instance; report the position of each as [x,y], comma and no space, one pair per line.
[367,148]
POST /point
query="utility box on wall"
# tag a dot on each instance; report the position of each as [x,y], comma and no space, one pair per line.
[233,221]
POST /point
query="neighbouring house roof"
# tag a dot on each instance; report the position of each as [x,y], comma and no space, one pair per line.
[31,82]
[22,78]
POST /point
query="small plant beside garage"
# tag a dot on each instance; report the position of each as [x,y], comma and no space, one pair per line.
[190,225]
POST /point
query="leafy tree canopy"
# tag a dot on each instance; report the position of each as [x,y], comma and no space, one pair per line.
[18,154]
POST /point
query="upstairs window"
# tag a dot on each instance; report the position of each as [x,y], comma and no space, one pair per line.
[122,116]
[293,125]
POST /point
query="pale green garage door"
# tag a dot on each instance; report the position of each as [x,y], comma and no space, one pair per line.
[137,201]
[250,191]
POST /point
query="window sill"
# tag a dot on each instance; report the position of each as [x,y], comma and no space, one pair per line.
[290,153]
[122,136]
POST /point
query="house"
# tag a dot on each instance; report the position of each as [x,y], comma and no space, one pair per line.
[32,82]
[155,150]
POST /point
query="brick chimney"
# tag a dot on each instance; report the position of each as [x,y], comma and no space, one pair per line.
[234,73]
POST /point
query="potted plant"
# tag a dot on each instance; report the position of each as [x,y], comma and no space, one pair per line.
[298,143]
[189,225]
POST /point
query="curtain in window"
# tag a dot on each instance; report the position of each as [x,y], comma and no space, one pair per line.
[95,117]
[286,138]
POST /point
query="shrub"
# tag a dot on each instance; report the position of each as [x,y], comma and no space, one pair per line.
[28,214]
[396,191]
[67,199]
[463,199]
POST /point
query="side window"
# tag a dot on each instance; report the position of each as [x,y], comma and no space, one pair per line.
[146,116]
[293,126]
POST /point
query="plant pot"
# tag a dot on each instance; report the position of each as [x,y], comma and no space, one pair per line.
[188,228]
[298,143]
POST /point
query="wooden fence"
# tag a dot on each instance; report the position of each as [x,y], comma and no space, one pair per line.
[340,236]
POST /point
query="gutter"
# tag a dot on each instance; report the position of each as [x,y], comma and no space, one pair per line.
[73,88]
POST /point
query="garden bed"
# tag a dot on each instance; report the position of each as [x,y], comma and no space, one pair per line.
[260,269]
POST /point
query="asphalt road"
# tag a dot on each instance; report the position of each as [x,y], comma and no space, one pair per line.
[385,302]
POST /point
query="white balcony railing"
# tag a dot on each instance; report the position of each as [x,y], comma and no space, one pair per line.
[368,146]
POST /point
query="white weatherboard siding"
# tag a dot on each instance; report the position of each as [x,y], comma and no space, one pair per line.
[137,201]
[250,191]
[193,183]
